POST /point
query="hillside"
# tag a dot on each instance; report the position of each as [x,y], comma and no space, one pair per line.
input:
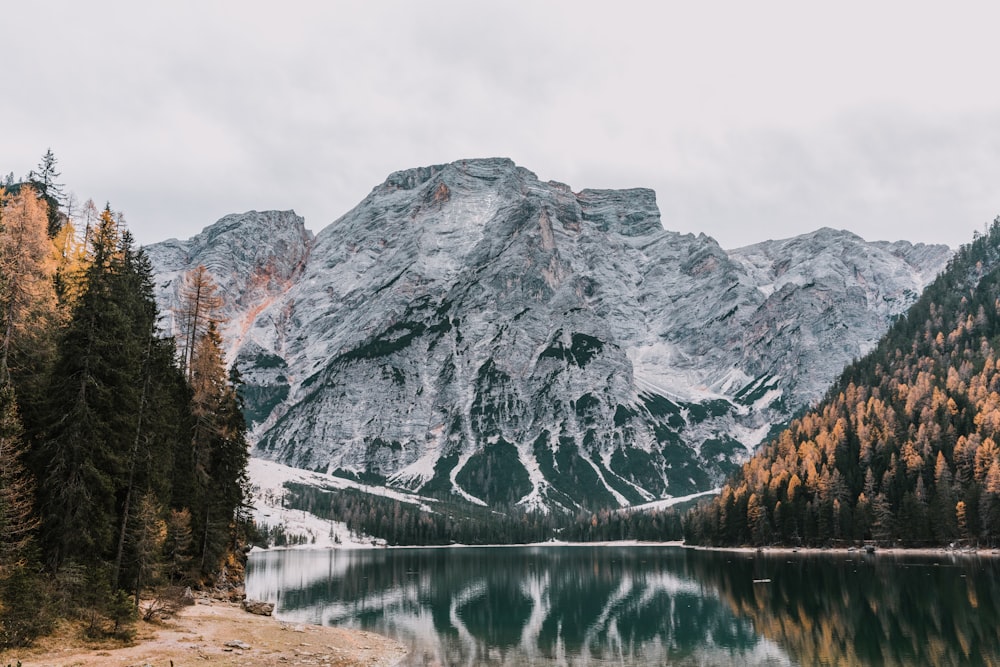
[903,447]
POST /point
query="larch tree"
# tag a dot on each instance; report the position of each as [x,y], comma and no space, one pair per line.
[70,257]
[89,217]
[199,309]
[149,540]
[219,448]
[27,297]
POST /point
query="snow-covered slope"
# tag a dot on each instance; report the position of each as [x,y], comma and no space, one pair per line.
[268,495]
[469,329]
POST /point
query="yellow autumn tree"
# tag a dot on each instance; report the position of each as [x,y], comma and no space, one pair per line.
[69,253]
[199,309]
[27,296]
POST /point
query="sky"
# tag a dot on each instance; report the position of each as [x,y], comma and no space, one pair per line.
[750,120]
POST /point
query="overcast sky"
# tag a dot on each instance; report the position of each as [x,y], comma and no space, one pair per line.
[751,120]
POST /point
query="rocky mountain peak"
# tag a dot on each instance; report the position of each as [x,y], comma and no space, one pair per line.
[468,329]
[253,257]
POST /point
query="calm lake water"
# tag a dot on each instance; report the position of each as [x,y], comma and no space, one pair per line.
[599,605]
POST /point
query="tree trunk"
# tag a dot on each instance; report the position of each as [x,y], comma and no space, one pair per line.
[116,576]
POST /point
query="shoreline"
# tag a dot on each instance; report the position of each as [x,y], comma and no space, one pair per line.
[605,543]
[214,632]
[985,552]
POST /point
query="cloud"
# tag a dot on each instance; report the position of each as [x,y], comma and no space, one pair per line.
[750,120]
[886,176]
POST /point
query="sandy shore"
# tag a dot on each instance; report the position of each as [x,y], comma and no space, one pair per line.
[198,636]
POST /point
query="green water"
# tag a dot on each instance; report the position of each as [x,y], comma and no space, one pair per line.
[645,605]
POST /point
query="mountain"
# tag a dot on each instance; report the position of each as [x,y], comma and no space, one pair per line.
[469,329]
[903,447]
[254,258]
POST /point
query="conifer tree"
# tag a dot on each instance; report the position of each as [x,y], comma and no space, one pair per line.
[27,305]
[219,448]
[22,613]
[943,518]
[81,458]
[136,463]
[89,217]
[904,446]
[70,253]
[177,546]
[150,538]
[198,310]
[160,423]
[17,517]
[49,191]
[46,176]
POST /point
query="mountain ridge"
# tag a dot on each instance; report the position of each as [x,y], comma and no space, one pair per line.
[468,329]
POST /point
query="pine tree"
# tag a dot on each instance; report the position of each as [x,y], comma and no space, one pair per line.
[150,538]
[160,421]
[177,546]
[22,604]
[17,518]
[49,191]
[81,457]
[45,177]
[943,521]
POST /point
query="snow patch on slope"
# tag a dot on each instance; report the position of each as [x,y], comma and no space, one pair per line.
[268,479]
[669,502]
[664,369]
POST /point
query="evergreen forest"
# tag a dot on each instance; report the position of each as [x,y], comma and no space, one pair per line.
[459,522]
[122,452]
[903,450]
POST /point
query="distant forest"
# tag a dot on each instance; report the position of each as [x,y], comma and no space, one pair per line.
[904,447]
[123,452]
[458,522]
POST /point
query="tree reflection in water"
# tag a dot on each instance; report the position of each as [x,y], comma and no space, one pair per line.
[643,605]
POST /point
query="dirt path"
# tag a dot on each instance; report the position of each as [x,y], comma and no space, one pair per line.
[199,634]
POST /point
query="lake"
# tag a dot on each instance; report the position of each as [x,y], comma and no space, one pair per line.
[645,605]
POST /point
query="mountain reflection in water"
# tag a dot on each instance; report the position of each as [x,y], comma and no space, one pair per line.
[592,605]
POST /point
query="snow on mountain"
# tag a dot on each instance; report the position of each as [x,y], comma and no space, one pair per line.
[470,330]
[268,495]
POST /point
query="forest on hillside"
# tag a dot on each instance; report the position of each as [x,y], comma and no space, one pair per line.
[454,521]
[904,447]
[122,452]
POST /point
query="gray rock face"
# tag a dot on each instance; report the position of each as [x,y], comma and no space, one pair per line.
[469,329]
[254,258]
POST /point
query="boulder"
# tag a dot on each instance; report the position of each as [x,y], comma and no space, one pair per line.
[258,607]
